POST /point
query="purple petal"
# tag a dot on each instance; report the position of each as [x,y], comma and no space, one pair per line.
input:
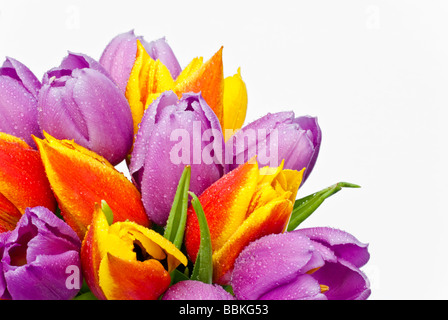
[82,61]
[159,49]
[18,110]
[156,166]
[119,56]
[44,279]
[196,290]
[345,281]
[270,262]
[24,75]
[344,245]
[304,287]
[276,137]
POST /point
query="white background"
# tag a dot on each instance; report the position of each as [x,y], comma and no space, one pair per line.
[374,72]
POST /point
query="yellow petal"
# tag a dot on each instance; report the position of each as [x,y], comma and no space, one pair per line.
[152,242]
[234,103]
[148,78]
[293,180]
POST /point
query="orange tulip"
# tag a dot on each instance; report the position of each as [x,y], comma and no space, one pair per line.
[244,205]
[126,261]
[23,182]
[80,178]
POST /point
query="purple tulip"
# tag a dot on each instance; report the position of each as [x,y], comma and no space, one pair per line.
[19,88]
[79,101]
[175,133]
[275,137]
[119,56]
[39,259]
[314,263]
[196,290]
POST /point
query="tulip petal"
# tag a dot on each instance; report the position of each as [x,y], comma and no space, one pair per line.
[349,284]
[269,219]
[344,245]
[225,211]
[80,178]
[209,81]
[160,50]
[304,287]
[118,57]
[23,182]
[281,261]
[148,78]
[132,280]
[234,103]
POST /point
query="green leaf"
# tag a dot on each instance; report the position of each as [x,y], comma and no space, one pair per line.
[304,207]
[177,218]
[107,212]
[203,267]
[86,296]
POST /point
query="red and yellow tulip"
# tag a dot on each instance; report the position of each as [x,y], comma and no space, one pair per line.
[126,261]
[80,178]
[242,206]
[22,181]
[227,97]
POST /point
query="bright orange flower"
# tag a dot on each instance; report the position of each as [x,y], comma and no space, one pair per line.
[242,206]
[149,78]
[23,182]
[126,261]
[80,178]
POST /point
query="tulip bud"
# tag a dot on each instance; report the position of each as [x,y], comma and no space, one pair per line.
[276,137]
[78,101]
[119,56]
[175,133]
[19,88]
[40,258]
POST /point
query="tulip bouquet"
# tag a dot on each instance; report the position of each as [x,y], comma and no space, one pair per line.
[209,209]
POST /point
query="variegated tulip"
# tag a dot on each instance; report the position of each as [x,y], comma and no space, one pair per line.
[126,261]
[149,78]
[80,178]
[242,206]
[23,182]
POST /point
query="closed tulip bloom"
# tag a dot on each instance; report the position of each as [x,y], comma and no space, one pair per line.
[196,290]
[23,181]
[79,101]
[244,205]
[39,259]
[314,263]
[175,133]
[126,261]
[119,56]
[80,178]
[19,89]
[276,137]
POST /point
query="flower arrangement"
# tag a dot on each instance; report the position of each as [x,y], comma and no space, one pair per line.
[210,207]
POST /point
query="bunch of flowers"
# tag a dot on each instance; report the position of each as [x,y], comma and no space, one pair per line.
[209,209]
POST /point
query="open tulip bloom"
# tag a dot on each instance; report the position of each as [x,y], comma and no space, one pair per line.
[209,210]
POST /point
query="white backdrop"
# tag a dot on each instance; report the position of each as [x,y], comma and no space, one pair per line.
[374,72]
